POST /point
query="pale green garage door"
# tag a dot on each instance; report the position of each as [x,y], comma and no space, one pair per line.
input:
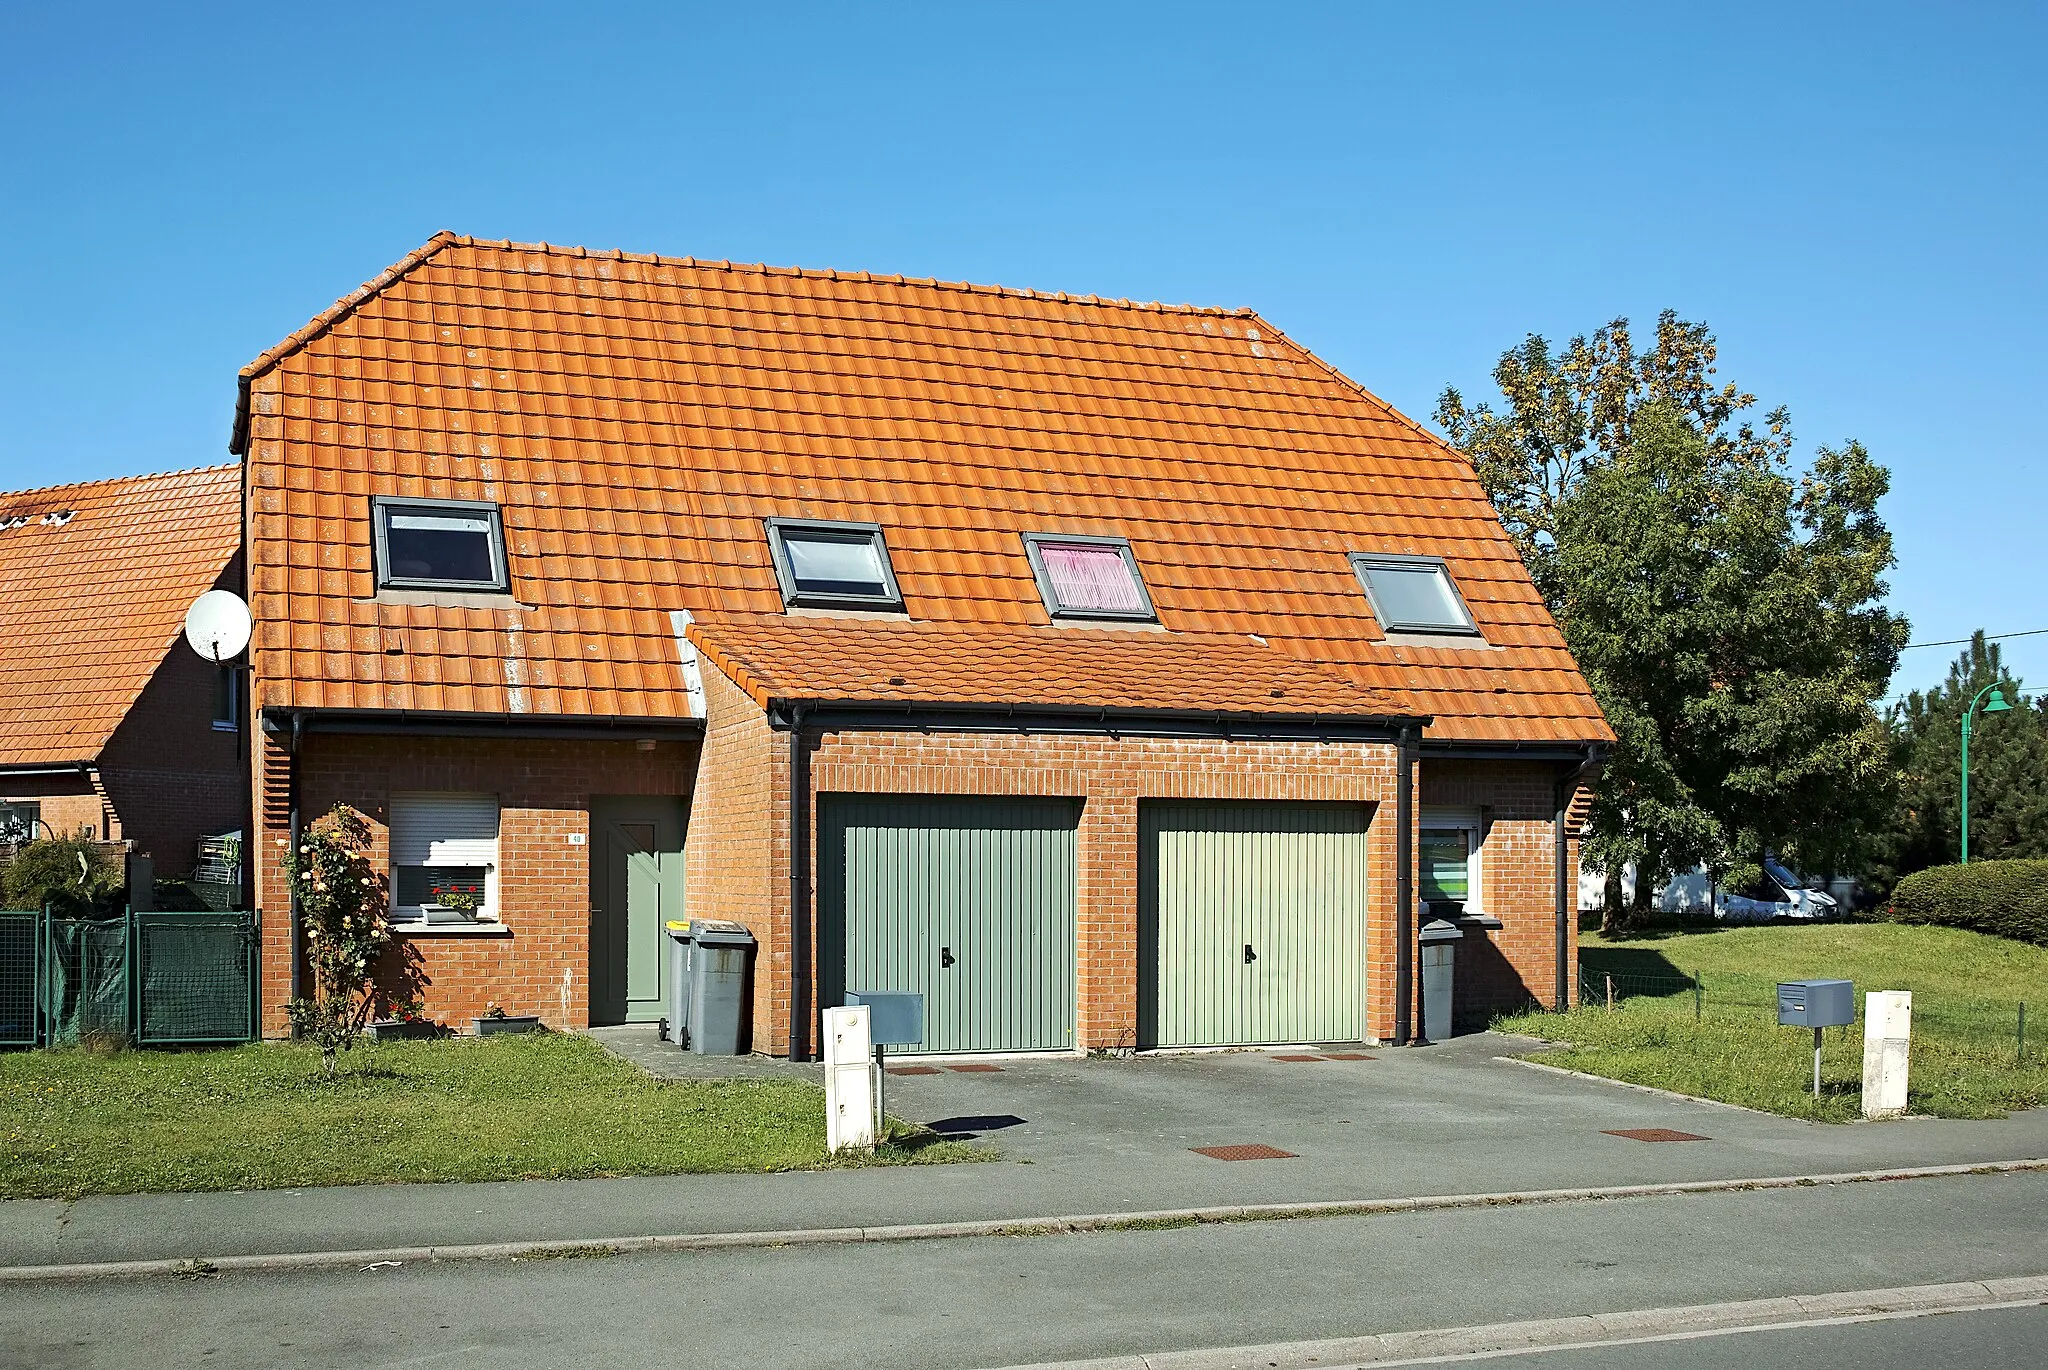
[967,901]
[1251,923]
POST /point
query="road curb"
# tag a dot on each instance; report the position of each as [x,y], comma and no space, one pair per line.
[1590,1330]
[992,1227]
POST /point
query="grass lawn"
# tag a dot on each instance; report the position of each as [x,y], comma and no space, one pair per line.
[545,1106]
[1967,988]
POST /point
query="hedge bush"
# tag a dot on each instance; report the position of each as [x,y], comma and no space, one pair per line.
[2006,898]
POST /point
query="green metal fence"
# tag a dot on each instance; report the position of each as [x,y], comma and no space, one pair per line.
[156,979]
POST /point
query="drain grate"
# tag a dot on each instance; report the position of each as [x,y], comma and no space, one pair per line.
[974,1068]
[1252,1151]
[913,1070]
[1297,1058]
[1348,1056]
[1654,1134]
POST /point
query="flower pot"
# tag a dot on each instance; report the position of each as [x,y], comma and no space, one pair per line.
[511,1022]
[404,1029]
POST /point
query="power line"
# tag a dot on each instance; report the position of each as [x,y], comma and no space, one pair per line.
[1964,641]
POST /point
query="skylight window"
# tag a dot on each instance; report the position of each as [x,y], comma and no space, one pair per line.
[1412,594]
[832,565]
[1088,577]
[432,544]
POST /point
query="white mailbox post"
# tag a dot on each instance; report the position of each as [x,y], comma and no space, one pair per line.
[849,1080]
[1887,1051]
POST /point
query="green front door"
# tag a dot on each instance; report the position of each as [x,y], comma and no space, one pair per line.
[1251,923]
[967,901]
[636,885]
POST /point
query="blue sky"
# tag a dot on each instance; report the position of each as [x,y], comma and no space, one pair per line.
[1852,196]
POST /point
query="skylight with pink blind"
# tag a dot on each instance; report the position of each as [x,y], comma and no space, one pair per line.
[1088,577]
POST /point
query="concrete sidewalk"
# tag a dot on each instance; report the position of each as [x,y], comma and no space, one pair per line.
[1078,1136]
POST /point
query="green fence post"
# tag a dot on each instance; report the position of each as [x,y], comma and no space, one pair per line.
[1696,996]
[2021,1055]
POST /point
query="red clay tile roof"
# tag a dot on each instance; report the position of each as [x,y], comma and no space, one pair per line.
[637,417]
[90,604]
[773,656]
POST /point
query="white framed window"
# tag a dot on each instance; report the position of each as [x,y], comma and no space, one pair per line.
[1411,594]
[20,820]
[438,544]
[443,843]
[1451,864]
[832,565]
[1088,577]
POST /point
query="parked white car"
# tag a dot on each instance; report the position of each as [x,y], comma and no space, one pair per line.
[1779,894]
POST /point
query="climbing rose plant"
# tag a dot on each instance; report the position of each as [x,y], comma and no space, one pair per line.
[346,927]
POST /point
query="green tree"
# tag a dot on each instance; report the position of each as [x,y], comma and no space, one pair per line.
[1726,610]
[2008,770]
[342,907]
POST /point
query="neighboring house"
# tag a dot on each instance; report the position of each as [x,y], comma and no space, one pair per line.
[1069,660]
[109,723]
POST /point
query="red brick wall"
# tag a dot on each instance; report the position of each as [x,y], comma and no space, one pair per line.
[68,802]
[1509,967]
[737,850]
[171,775]
[544,789]
[738,857]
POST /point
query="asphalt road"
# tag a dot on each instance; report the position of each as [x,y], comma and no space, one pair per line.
[1990,1340]
[951,1305]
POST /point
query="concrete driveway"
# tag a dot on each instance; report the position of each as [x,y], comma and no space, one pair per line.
[1443,1119]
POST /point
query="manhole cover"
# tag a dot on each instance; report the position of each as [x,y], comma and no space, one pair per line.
[1349,1056]
[1297,1058]
[1254,1151]
[974,1068]
[913,1070]
[1655,1134]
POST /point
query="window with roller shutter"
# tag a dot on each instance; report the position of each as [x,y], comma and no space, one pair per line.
[443,842]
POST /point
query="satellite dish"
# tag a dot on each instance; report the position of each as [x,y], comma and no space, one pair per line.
[217,625]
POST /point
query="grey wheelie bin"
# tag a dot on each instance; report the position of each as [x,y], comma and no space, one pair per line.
[720,958]
[677,1027]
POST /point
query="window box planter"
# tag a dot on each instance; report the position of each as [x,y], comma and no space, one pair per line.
[404,1029]
[511,1022]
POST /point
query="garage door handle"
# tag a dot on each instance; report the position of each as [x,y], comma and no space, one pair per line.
[946,958]
[1249,955]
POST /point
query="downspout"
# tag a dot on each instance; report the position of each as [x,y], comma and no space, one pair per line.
[1567,905]
[799,888]
[1404,881]
[291,885]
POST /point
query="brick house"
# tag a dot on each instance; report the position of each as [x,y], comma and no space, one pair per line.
[1112,673]
[109,723]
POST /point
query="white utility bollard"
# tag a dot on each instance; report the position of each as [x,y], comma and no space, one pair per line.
[849,1080]
[1887,1051]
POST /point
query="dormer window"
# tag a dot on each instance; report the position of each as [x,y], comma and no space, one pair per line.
[1411,594]
[832,565]
[1088,577]
[439,544]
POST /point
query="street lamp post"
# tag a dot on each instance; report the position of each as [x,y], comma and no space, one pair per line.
[1995,705]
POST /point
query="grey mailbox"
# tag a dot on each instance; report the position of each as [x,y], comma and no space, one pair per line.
[1816,1003]
[894,1019]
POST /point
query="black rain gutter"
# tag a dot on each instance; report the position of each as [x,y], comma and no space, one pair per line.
[868,716]
[799,886]
[1588,760]
[456,724]
[78,768]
